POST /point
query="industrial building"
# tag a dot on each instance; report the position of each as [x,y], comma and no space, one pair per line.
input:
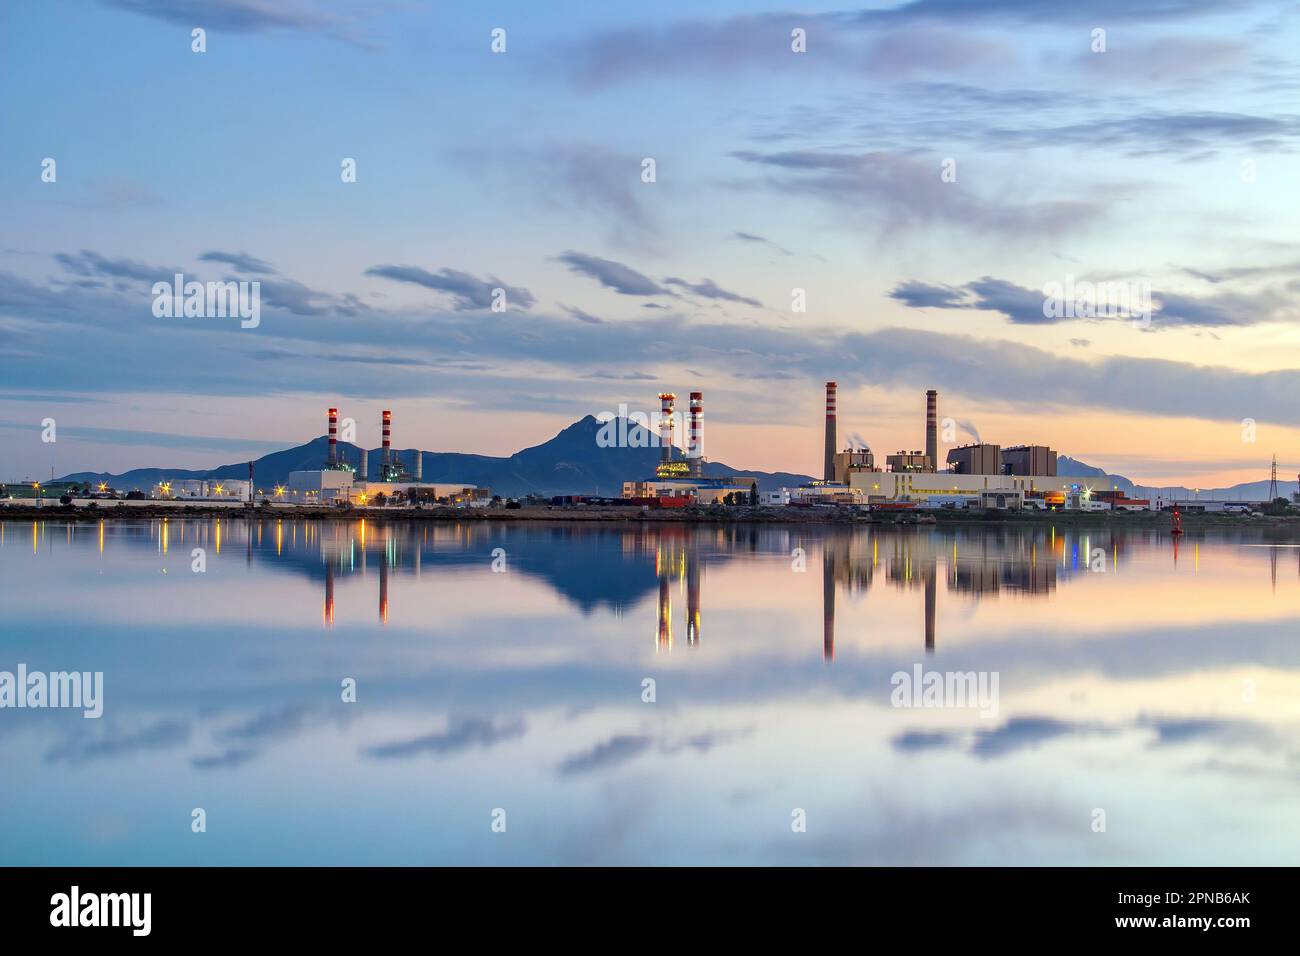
[231,489]
[851,460]
[980,475]
[338,483]
[909,461]
[1028,460]
[981,459]
[679,482]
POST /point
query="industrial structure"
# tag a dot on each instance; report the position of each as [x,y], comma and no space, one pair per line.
[980,459]
[980,475]
[932,429]
[828,472]
[678,483]
[338,483]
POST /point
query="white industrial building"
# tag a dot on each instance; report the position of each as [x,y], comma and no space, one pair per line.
[330,487]
[211,489]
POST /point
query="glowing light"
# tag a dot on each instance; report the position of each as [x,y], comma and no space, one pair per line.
[279,491]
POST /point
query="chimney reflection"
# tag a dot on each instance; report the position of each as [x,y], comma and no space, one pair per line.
[931,592]
[828,603]
[383,585]
[693,594]
[328,614]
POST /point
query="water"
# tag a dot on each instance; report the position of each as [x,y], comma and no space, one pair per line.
[1157,687]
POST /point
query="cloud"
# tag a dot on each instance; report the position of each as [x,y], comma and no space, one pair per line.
[582,316]
[927,36]
[1167,59]
[752,238]
[135,436]
[613,275]
[1168,309]
[462,733]
[92,324]
[582,179]
[242,16]
[608,753]
[466,291]
[104,743]
[293,296]
[240,261]
[1196,135]
[622,748]
[891,194]
[230,757]
[90,263]
[708,289]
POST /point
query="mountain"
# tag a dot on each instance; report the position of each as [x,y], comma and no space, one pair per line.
[1247,491]
[573,462]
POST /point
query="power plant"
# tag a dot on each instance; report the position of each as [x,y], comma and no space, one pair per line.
[978,475]
[981,475]
[338,482]
[678,483]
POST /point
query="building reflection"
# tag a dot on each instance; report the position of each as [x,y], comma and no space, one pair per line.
[631,569]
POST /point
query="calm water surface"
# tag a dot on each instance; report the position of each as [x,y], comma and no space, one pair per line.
[1158,686]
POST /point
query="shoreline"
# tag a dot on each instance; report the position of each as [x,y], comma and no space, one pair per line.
[614,515]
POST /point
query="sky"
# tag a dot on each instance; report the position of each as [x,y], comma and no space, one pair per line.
[916,179]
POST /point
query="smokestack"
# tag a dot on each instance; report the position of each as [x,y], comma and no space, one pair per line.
[388,441]
[419,465]
[364,464]
[250,482]
[695,444]
[666,400]
[334,437]
[932,428]
[829,471]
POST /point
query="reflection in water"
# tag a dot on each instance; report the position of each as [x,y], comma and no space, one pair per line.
[615,567]
[1124,680]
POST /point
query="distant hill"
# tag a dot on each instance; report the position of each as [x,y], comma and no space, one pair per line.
[570,463]
[1248,491]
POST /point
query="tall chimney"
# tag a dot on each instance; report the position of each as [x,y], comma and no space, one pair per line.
[364,464]
[932,428]
[666,400]
[334,437]
[695,443]
[388,441]
[250,482]
[419,465]
[829,471]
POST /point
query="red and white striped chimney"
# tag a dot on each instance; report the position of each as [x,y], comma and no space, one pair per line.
[334,437]
[695,442]
[829,470]
[388,442]
[932,428]
[666,400]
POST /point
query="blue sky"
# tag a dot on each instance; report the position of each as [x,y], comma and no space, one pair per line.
[775,171]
